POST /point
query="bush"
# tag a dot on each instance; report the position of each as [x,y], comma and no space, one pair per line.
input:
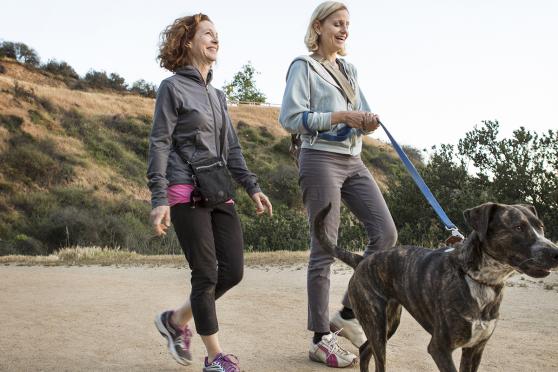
[60,68]
[143,88]
[287,230]
[11,122]
[20,52]
[282,185]
[21,92]
[28,246]
[100,80]
[122,151]
[36,162]
[6,248]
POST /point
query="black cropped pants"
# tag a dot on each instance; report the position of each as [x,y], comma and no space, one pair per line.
[212,241]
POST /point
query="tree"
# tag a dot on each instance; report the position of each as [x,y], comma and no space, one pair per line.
[8,50]
[60,68]
[143,88]
[100,80]
[20,52]
[521,169]
[243,87]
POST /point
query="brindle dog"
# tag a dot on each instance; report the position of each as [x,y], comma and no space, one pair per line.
[454,293]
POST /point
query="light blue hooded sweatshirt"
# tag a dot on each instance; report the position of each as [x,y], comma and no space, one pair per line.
[311,95]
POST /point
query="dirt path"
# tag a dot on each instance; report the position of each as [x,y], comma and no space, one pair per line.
[101,318]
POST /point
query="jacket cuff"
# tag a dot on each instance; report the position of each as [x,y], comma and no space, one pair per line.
[253,189]
[159,202]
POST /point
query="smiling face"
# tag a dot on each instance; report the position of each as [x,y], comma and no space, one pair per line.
[205,44]
[333,32]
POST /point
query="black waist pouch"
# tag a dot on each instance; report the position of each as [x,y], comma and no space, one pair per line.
[212,182]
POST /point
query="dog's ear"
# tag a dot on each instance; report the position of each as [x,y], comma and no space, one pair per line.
[531,208]
[479,217]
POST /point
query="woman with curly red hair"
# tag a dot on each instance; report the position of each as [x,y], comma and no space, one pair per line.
[191,125]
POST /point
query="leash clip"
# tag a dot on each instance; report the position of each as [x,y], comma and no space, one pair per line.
[313,138]
[455,236]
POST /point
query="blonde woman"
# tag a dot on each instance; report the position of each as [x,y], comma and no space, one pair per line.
[191,124]
[323,103]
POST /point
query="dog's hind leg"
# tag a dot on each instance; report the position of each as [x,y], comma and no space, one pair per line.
[471,357]
[393,312]
[365,353]
[371,313]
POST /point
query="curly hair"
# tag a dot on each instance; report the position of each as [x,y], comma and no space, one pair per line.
[323,11]
[174,51]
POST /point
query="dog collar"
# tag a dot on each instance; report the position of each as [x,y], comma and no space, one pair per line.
[494,286]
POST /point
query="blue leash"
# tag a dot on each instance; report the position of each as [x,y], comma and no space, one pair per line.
[346,132]
[455,234]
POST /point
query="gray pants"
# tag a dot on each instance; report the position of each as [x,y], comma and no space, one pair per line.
[329,177]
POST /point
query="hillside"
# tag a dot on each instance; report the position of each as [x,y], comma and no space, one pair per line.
[73,168]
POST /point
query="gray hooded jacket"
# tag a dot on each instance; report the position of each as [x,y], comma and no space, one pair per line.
[188,117]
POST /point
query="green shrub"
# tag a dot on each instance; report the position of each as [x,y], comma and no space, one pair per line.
[36,162]
[125,152]
[286,230]
[100,80]
[11,122]
[143,88]
[26,245]
[60,68]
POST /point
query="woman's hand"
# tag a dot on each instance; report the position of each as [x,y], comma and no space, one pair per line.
[262,203]
[353,119]
[371,122]
[365,121]
[160,219]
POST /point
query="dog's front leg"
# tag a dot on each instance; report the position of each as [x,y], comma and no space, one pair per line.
[441,353]
[471,357]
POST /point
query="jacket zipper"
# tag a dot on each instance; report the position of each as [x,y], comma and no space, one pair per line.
[218,163]
[217,145]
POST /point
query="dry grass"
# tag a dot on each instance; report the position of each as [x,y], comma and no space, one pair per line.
[77,256]
[15,70]
[89,103]
[258,116]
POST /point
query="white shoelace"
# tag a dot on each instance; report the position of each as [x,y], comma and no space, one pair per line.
[332,345]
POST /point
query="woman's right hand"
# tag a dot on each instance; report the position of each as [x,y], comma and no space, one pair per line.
[160,219]
[365,121]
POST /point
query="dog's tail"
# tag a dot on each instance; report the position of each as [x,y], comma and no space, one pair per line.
[347,257]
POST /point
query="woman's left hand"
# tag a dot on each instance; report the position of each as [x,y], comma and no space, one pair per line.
[262,203]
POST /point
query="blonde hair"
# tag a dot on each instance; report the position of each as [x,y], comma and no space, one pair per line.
[323,11]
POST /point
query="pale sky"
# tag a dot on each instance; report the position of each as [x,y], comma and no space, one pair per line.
[432,69]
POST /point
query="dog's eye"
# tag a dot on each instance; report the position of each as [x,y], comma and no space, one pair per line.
[518,228]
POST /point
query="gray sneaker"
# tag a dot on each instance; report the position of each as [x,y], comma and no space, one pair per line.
[222,363]
[178,339]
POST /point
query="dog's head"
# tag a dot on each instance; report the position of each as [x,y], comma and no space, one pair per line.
[514,235]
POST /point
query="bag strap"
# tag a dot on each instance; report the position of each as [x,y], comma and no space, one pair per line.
[222,104]
[339,78]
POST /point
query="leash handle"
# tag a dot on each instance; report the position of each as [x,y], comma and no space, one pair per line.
[455,234]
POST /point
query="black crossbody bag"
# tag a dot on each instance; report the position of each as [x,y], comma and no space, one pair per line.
[212,181]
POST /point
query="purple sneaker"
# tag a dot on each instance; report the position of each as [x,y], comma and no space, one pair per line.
[178,339]
[222,363]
